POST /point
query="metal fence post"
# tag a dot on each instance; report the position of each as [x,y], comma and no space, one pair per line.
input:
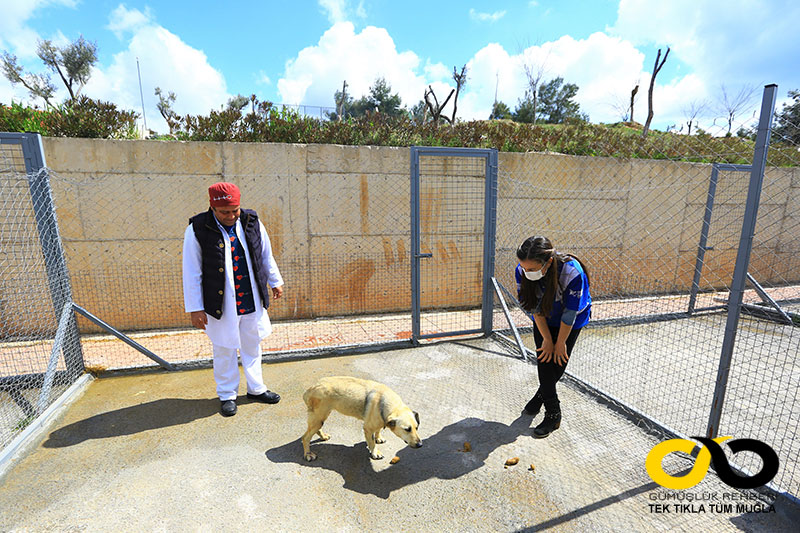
[743,256]
[490,228]
[415,251]
[52,251]
[702,246]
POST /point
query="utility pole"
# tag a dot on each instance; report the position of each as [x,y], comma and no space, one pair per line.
[141,95]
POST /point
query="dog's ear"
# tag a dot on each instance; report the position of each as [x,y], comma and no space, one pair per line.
[391,423]
[416,416]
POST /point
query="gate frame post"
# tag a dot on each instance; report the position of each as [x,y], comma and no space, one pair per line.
[52,249]
[743,256]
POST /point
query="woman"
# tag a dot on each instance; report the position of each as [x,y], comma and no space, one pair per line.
[554,287]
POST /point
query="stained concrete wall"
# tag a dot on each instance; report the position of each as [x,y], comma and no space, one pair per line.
[338,218]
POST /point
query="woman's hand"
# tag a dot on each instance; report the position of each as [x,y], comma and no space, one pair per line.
[546,351]
[560,353]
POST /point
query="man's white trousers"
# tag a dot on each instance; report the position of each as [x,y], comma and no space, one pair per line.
[226,367]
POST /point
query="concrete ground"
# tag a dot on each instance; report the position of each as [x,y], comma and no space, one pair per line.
[150,452]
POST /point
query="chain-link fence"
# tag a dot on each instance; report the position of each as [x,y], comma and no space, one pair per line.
[40,353]
[661,236]
[659,232]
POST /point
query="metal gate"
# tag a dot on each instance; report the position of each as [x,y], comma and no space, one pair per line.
[453,204]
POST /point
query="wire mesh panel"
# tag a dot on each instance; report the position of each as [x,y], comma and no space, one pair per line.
[337,218]
[451,224]
[653,343]
[36,320]
[762,399]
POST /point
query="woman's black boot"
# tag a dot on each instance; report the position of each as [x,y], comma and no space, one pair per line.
[551,422]
[534,405]
[552,419]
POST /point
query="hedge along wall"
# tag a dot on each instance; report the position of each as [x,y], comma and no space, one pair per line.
[338,218]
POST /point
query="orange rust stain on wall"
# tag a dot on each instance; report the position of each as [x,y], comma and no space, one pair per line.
[272,218]
[364,204]
[430,208]
[442,252]
[401,251]
[388,255]
[358,274]
[454,253]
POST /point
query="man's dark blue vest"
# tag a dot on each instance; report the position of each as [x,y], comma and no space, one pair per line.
[212,248]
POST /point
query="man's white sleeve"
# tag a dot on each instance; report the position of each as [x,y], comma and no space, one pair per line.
[192,272]
[268,260]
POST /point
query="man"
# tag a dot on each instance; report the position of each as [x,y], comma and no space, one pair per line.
[228,269]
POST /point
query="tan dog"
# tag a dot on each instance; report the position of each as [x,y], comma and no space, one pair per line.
[374,403]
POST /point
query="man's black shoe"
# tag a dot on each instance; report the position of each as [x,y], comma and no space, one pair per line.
[265,397]
[227,407]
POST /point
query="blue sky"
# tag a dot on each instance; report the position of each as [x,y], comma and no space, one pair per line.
[300,52]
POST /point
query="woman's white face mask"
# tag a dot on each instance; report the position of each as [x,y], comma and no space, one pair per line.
[534,275]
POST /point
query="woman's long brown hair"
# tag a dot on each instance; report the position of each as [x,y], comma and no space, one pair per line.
[540,249]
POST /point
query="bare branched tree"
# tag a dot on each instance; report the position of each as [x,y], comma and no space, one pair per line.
[633,98]
[656,68]
[692,111]
[341,101]
[732,104]
[534,74]
[620,106]
[434,107]
[461,80]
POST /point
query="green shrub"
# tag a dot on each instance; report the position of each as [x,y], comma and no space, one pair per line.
[83,117]
[90,118]
[18,118]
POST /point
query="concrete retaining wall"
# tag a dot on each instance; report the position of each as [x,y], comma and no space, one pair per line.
[338,218]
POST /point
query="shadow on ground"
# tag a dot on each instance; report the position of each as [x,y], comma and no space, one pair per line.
[130,420]
[434,460]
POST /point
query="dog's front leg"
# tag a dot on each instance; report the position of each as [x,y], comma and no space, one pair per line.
[373,450]
[378,438]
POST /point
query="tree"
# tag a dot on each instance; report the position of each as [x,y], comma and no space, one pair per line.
[788,120]
[164,106]
[461,80]
[633,99]
[500,111]
[419,112]
[732,104]
[38,85]
[534,74]
[526,109]
[556,102]
[691,112]
[237,103]
[382,100]
[434,106]
[656,68]
[73,63]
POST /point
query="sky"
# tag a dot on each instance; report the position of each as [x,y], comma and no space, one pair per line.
[299,53]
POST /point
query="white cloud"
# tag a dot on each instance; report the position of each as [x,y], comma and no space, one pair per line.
[599,65]
[486,17]
[339,10]
[731,42]
[318,71]
[19,39]
[165,61]
[263,79]
[124,20]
